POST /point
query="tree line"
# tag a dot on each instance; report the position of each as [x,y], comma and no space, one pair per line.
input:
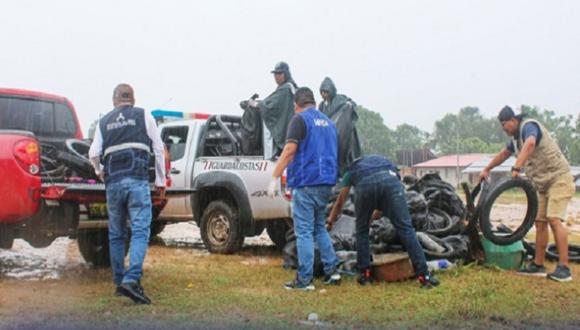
[468,131]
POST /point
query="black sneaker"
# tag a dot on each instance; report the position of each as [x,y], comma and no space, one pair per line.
[332,279]
[135,292]
[296,285]
[533,270]
[118,291]
[428,281]
[365,277]
[561,274]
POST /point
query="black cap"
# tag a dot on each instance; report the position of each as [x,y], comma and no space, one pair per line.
[506,114]
[281,67]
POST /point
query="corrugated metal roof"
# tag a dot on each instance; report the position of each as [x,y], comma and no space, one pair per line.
[479,165]
[452,161]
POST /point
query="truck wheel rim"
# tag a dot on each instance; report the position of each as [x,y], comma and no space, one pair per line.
[219,229]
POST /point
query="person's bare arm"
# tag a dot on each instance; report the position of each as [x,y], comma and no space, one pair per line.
[497,160]
[527,150]
[285,158]
[338,205]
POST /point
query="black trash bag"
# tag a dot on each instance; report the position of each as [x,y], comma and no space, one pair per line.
[418,209]
[251,130]
[409,180]
[380,247]
[347,261]
[343,242]
[290,255]
[382,231]
[439,194]
[343,233]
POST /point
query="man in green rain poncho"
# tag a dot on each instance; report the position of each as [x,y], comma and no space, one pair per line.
[277,109]
[342,111]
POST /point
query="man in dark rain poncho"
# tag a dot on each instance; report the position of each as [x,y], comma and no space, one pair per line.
[342,111]
[278,108]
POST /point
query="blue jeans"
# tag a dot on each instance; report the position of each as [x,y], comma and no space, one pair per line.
[130,198]
[309,213]
[384,192]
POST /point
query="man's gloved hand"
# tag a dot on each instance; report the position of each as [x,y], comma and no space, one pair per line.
[253,103]
[272,187]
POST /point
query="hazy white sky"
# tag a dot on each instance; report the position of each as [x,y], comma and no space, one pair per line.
[412,61]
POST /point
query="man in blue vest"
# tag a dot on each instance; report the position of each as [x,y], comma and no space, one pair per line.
[310,154]
[123,142]
[377,186]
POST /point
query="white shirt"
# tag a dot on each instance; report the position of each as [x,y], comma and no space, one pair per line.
[96,149]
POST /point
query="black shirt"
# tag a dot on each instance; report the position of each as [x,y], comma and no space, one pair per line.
[296,129]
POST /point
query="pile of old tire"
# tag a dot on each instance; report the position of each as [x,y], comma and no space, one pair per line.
[488,198]
[435,206]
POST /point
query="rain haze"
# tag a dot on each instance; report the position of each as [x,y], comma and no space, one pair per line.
[411,61]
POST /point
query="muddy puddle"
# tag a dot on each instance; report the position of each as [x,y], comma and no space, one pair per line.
[62,256]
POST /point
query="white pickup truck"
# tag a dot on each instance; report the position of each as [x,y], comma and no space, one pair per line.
[229,201]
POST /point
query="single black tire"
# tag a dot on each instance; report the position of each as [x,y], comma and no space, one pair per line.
[6,237]
[220,228]
[79,148]
[80,165]
[277,230]
[450,227]
[573,253]
[527,223]
[448,253]
[156,228]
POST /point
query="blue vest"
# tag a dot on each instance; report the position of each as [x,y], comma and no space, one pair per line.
[315,161]
[368,165]
[126,145]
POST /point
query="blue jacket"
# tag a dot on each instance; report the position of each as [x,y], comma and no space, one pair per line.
[315,162]
[368,165]
[126,145]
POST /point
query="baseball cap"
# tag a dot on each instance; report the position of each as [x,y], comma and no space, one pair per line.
[281,67]
[506,113]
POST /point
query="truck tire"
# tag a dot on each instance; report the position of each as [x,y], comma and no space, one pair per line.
[156,228]
[277,230]
[94,247]
[220,228]
[6,237]
[528,221]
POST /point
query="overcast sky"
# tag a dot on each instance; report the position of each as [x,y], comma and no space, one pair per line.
[411,61]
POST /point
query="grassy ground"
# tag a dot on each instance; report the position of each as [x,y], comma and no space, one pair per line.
[246,291]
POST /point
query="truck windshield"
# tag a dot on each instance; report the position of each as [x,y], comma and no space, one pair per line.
[44,118]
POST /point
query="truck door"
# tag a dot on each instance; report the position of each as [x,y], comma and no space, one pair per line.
[175,139]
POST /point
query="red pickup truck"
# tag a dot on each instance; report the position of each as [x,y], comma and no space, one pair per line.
[20,175]
[47,186]
[28,122]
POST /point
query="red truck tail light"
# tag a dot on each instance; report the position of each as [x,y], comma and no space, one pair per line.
[287,193]
[27,153]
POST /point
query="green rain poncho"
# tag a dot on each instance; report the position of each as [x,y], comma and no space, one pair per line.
[277,110]
[342,111]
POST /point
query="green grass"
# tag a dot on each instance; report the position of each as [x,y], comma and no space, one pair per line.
[246,290]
